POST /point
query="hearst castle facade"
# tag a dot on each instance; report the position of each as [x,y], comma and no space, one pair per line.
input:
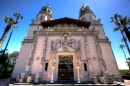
[65,49]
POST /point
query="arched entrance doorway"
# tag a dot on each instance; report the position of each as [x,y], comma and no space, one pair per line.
[65,68]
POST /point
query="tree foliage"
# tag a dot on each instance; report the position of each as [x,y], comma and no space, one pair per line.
[128,62]
[6,68]
[122,24]
[125,72]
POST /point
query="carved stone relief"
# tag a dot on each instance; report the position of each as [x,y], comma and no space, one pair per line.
[103,64]
[70,43]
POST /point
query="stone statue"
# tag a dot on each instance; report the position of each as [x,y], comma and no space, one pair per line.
[77,46]
[94,77]
[37,78]
[56,44]
[110,78]
[22,75]
[18,77]
[29,79]
[103,80]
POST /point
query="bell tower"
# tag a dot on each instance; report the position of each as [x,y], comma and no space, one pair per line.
[45,14]
[86,14]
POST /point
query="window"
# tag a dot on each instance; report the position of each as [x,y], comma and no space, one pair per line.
[83,19]
[41,18]
[90,17]
[82,11]
[49,11]
[46,66]
[85,67]
[44,9]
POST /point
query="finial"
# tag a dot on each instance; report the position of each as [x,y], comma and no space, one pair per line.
[84,5]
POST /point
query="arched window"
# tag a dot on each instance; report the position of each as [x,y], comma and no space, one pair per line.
[90,17]
[85,67]
[83,19]
[44,9]
[41,17]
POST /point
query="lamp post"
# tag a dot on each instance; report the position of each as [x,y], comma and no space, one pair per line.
[52,74]
[53,66]
[78,66]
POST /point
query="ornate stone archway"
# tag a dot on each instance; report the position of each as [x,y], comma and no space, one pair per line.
[65,67]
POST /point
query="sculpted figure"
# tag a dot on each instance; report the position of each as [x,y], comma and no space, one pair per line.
[54,45]
[103,80]
[77,45]
[110,78]
[95,81]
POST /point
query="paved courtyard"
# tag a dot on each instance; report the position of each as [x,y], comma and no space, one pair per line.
[3,82]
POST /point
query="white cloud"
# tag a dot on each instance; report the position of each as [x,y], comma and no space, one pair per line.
[122,64]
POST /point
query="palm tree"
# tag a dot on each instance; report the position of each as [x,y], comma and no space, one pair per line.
[10,21]
[14,26]
[122,46]
[121,24]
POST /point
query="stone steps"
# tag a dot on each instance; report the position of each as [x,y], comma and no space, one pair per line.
[60,84]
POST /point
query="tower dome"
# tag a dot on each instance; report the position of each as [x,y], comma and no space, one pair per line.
[45,14]
[86,13]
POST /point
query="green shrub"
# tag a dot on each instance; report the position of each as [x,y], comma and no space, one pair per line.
[125,72]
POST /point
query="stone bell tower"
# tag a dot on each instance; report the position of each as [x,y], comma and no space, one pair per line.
[86,14]
[45,14]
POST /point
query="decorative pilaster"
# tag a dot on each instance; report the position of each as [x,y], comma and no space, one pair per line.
[101,60]
[44,51]
[89,64]
[28,70]
[90,68]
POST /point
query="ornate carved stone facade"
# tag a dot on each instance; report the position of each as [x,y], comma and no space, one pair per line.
[66,49]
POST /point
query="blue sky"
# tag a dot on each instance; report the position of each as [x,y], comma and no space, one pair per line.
[103,9]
